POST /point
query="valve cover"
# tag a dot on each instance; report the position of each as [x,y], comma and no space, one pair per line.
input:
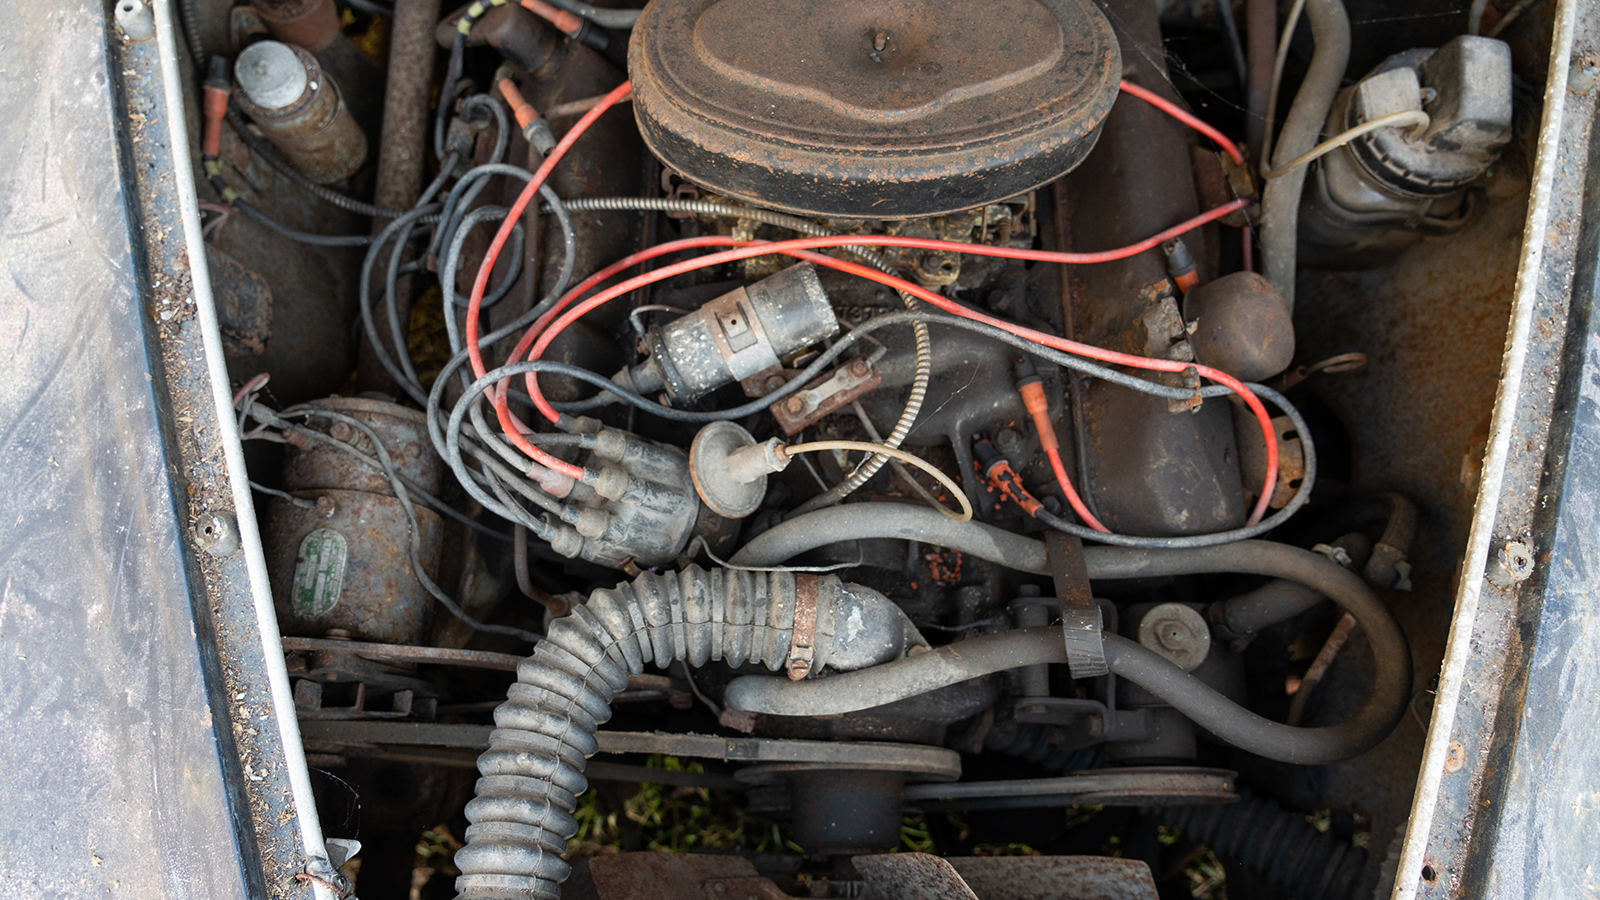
[880,109]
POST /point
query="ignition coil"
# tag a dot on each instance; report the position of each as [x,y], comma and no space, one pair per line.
[740,334]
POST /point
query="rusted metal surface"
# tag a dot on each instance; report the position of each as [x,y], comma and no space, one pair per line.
[312,24]
[241,713]
[752,887]
[920,876]
[402,149]
[1145,470]
[316,132]
[1243,326]
[827,395]
[876,110]
[244,305]
[1433,327]
[1261,29]
[922,763]
[1253,458]
[524,39]
[400,653]
[403,704]
[668,876]
[1130,786]
[402,153]
[1056,877]
[345,563]
[403,431]
[912,876]
[801,645]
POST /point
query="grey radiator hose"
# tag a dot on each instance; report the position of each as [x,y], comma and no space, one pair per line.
[1280,200]
[1208,708]
[862,521]
[545,730]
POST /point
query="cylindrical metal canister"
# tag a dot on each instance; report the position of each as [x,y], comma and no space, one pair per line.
[736,336]
[298,107]
[312,24]
[345,562]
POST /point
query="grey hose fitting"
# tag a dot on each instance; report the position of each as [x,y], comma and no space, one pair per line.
[545,730]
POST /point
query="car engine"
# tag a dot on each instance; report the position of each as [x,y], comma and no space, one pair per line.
[939,449]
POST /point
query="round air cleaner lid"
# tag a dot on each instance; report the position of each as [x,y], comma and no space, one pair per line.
[876,109]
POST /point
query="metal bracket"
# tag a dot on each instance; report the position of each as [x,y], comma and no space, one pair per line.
[1082,626]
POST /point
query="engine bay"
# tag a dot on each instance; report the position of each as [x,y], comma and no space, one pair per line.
[903,448]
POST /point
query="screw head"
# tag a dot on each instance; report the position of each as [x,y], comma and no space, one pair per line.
[217,534]
[795,405]
[859,368]
[325,506]
[341,431]
[1511,565]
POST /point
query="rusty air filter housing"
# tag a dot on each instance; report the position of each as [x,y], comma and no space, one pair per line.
[880,109]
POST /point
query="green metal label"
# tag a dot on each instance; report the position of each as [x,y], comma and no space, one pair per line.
[319,573]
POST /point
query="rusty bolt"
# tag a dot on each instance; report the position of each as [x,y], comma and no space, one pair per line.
[296,438]
[880,41]
[341,432]
[773,382]
[859,368]
[1511,565]
[325,506]
[795,405]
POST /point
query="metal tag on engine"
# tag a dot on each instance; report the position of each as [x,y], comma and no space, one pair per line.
[319,573]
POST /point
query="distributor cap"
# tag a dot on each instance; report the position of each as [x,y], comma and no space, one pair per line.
[876,109]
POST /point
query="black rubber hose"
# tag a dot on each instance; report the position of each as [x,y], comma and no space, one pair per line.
[1280,599]
[1276,601]
[1208,708]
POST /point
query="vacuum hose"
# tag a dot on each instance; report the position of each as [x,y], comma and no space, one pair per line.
[545,730]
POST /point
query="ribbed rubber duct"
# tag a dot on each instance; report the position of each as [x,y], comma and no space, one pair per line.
[1275,842]
[533,769]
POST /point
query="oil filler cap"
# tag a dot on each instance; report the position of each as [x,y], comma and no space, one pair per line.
[872,109]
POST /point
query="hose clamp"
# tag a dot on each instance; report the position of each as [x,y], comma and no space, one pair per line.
[802,645]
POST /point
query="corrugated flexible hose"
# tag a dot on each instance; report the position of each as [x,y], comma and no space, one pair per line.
[545,730]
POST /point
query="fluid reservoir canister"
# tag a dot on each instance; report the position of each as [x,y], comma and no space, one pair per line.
[339,553]
[286,93]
